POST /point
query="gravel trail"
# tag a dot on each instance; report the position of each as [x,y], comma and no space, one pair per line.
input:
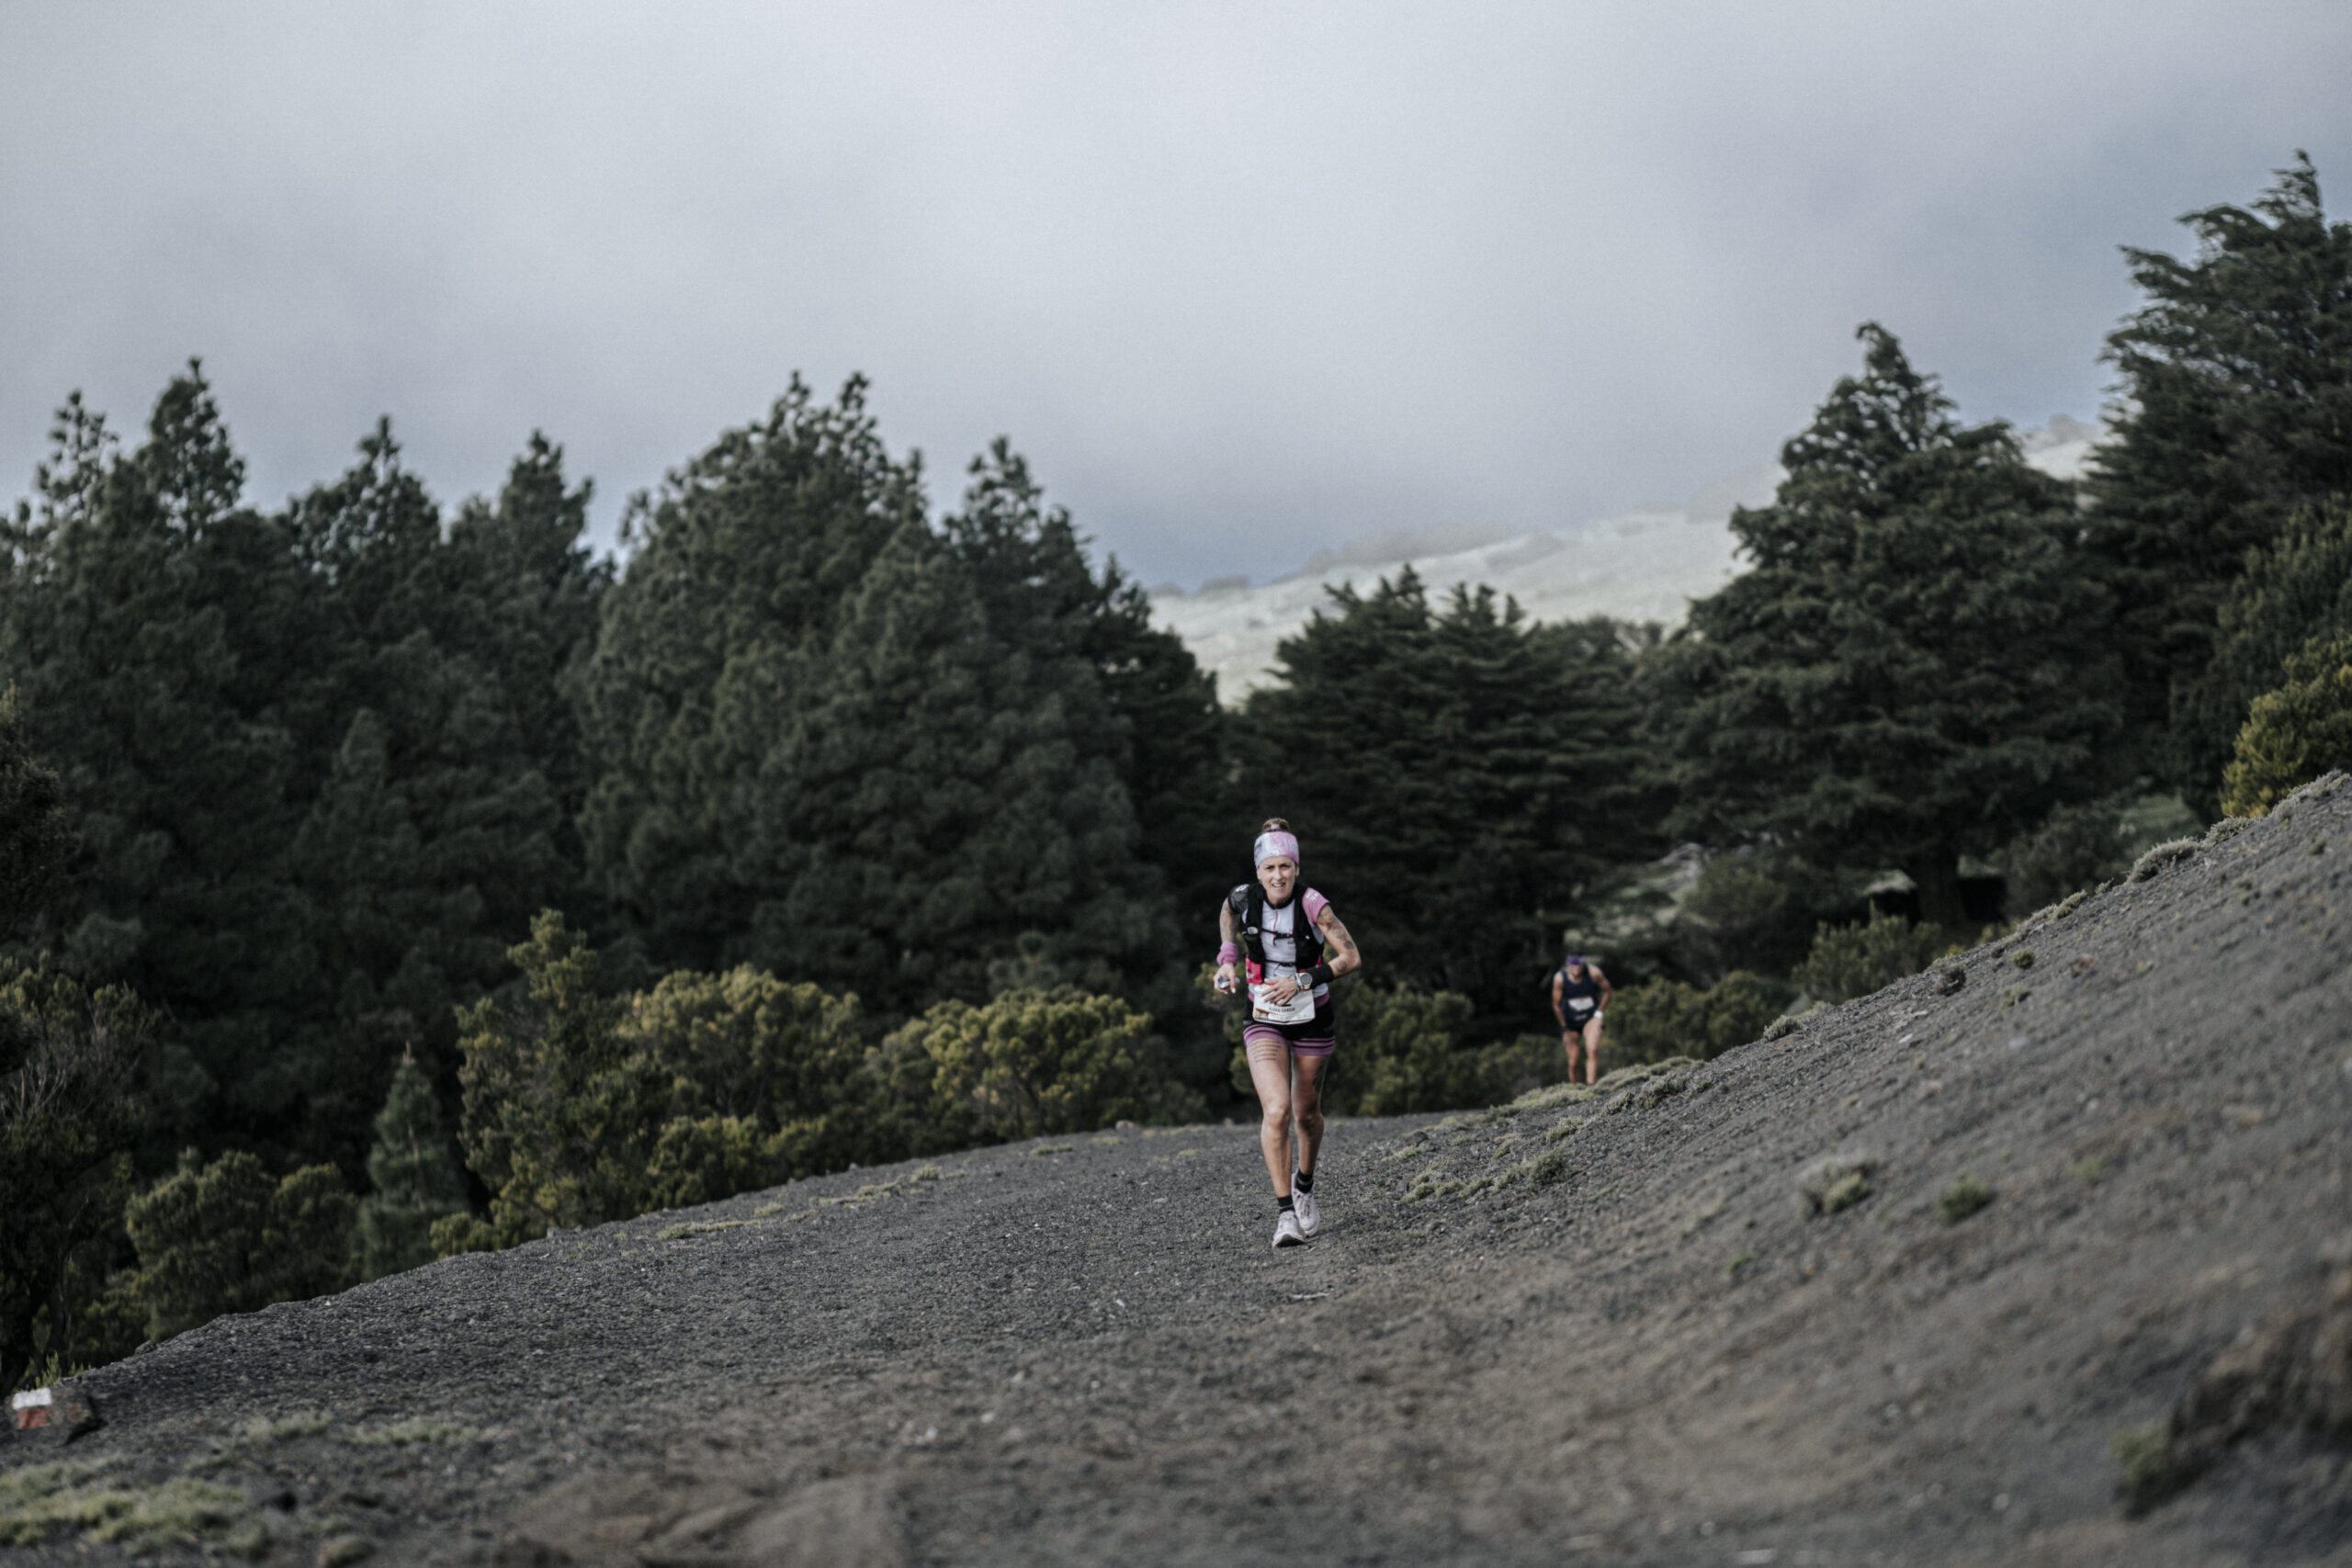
[1614,1330]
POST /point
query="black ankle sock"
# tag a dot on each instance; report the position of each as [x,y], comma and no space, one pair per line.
[1304,1182]
[1284,1203]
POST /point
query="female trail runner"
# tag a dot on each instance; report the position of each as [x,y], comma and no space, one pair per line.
[1290,964]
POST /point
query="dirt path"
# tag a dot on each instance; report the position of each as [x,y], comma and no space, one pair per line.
[1643,1347]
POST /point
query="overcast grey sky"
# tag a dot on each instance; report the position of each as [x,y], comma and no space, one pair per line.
[1242,280]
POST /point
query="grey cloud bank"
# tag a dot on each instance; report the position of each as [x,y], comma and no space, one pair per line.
[1245,282]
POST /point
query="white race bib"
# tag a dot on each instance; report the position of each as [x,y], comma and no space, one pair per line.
[1300,1009]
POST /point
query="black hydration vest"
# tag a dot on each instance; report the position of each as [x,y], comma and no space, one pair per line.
[1248,903]
[1587,990]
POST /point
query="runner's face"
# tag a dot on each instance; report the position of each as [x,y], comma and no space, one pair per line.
[1278,876]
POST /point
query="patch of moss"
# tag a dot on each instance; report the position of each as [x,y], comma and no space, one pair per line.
[2164,857]
[1702,1215]
[262,1430]
[1837,1182]
[1661,1089]
[1051,1149]
[2228,828]
[423,1430]
[342,1550]
[2090,1171]
[1566,1127]
[1552,1095]
[1547,1169]
[38,1501]
[697,1227]
[2144,1456]
[1845,1193]
[872,1192]
[1962,1198]
[2014,994]
[2022,958]
[1744,1260]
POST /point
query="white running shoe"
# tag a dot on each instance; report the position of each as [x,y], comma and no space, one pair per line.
[1310,1218]
[1286,1232]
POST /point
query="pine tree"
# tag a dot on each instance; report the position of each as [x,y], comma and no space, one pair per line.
[161,637]
[2236,408]
[1914,669]
[740,566]
[319,762]
[845,748]
[929,795]
[228,1237]
[415,1174]
[1169,744]
[436,831]
[34,840]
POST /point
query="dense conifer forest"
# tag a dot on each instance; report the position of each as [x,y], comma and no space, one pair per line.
[384,878]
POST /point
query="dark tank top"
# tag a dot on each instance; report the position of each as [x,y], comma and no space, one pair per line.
[1579,999]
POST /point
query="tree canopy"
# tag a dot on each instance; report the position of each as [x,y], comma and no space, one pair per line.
[1915,667]
[2236,407]
[316,759]
[842,744]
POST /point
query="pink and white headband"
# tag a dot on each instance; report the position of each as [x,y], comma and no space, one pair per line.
[1269,845]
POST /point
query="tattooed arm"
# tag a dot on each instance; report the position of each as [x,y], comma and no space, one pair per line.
[1339,947]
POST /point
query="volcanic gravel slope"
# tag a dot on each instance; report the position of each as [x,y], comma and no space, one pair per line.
[1646,1346]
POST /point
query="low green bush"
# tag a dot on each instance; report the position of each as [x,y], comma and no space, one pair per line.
[1029,1063]
[581,1108]
[1659,1019]
[1752,909]
[1853,960]
[2075,846]
[1967,1194]
[2293,735]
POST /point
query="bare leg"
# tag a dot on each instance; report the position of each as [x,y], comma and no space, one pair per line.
[1269,1074]
[1592,1052]
[1306,1094]
[1573,1043]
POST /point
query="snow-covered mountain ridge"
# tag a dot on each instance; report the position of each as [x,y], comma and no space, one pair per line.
[1644,565]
